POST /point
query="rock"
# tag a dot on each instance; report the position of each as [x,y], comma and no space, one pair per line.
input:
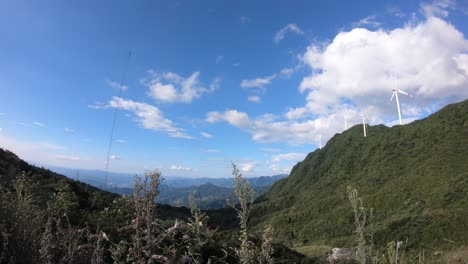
[340,253]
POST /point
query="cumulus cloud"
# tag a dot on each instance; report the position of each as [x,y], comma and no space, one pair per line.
[260,82]
[429,60]
[292,28]
[268,130]
[170,87]
[438,8]
[295,113]
[149,117]
[233,117]
[355,74]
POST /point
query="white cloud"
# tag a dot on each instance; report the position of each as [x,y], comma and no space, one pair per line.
[404,121]
[233,117]
[254,98]
[237,64]
[206,135]
[244,20]
[267,130]
[258,82]
[20,123]
[121,141]
[149,117]
[293,28]
[295,113]
[288,157]
[354,74]
[39,124]
[117,86]
[286,72]
[275,168]
[179,168]
[438,8]
[170,87]
[283,163]
[367,21]
[248,167]
[428,58]
[69,130]
[396,12]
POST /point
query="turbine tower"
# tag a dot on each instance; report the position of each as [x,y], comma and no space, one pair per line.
[346,120]
[364,124]
[395,94]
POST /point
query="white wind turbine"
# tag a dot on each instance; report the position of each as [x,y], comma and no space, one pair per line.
[346,120]
[364,124]
[320,141]
[395,94]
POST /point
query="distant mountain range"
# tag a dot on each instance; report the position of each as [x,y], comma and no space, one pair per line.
[209,193]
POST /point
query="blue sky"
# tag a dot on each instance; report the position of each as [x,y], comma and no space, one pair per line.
[253,82]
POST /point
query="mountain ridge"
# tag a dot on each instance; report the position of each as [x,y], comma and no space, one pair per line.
[415,177]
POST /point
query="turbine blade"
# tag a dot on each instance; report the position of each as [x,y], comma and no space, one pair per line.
[391,98]
[405,93]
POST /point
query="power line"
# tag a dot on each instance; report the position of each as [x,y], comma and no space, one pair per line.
[111,138]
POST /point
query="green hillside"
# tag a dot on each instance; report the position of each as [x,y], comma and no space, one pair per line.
[415,177]
[46,184]
[48,218]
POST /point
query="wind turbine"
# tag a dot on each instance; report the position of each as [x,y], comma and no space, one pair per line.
[364,124]
[320,141]
[395,94]
[346,120]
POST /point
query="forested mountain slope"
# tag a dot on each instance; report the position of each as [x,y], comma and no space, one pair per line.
[415,177]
